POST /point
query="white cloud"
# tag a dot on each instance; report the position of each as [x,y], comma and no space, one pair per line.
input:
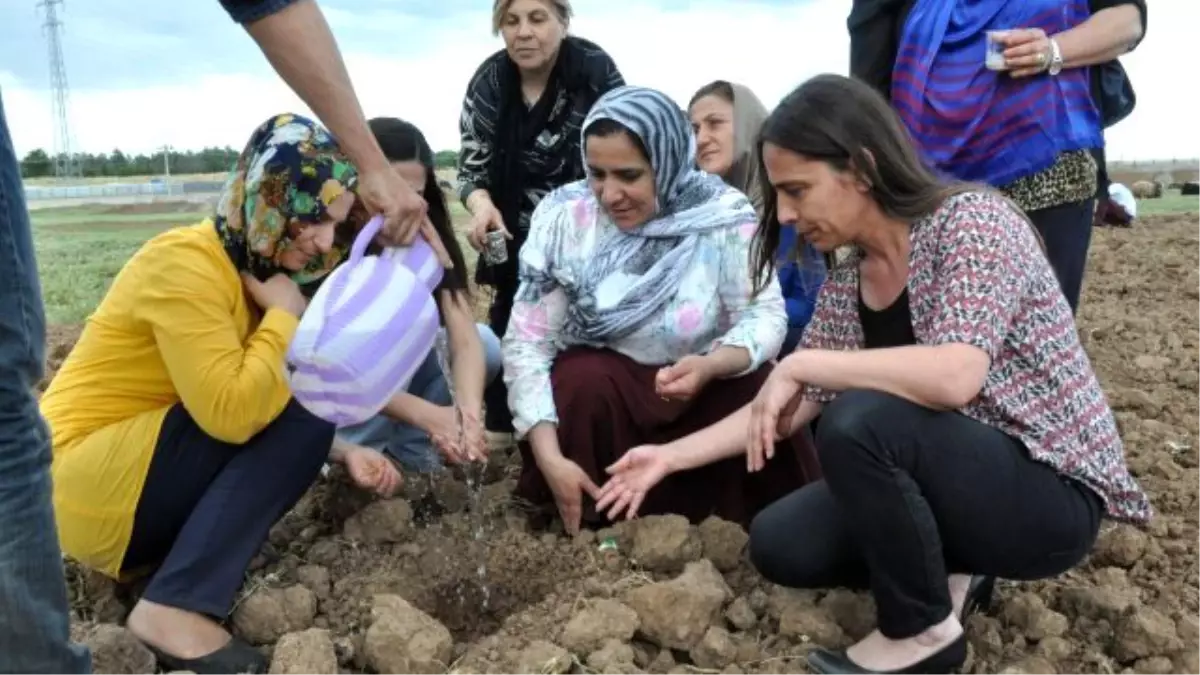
[770,49]
[1163,125]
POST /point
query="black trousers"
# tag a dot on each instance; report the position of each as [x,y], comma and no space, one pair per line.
[207,506]
[912,495]
[1067,231]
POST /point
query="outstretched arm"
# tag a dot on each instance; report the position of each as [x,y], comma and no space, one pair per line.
[296,40]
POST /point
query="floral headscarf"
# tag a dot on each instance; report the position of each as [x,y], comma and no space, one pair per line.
[285,178]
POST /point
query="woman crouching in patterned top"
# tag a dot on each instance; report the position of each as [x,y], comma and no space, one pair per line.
[635,322]
[962,433]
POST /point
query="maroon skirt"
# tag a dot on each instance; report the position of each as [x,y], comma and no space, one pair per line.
[607,404]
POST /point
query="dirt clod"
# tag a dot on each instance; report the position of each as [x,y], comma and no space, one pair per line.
[1028,612]
[676,613]
[715,650]
[723,542]
[1121,545]
[116,650]
[665,543]
[309,651]
[543,657]
[267,614]
[383,522]
[598,623]
[403,639]
[1145,633]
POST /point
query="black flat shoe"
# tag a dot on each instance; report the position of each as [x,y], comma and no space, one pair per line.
[235,657]
[948,660]
[979,596]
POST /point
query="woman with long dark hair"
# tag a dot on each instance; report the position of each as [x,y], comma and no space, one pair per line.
[963,434]
[424,417]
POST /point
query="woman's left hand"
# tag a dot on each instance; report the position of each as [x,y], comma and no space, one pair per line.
[638,470]
[475,445]
[683,380]
[771,413]
[1027,51]
[371,470]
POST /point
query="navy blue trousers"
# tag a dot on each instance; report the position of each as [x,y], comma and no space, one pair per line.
[207,506]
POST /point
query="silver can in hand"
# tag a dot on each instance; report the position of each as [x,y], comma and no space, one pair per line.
[495,247]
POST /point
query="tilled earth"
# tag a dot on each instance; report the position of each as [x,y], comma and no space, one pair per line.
[348,584]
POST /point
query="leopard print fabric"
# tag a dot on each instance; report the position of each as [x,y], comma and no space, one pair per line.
[1071,179]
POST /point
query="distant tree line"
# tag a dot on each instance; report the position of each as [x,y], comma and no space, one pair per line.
[38,163]
[116,163]
[446,159]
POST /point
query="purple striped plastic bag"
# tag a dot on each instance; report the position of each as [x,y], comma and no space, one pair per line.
[366,331]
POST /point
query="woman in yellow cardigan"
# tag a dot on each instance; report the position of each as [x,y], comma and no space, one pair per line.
[176,442]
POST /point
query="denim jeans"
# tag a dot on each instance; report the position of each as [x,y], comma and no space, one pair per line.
[407,444]
[34,622]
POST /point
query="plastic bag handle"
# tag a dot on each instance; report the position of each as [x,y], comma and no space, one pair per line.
[357,251]
[363,240]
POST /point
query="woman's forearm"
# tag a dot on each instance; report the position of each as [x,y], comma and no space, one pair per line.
[318,75]
[411,410]
[1106,35]
[727,361]
[720,440]
[936,376]
[476,199]
[543,440]
[726,438]
[468,368]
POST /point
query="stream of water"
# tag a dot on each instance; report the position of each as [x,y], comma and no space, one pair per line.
[473,471]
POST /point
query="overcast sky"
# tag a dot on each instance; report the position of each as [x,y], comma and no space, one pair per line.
[144,73]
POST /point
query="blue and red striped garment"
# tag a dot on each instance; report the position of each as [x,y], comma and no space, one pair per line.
[980,125]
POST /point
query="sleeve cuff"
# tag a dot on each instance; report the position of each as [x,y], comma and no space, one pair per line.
[281,323]
[248,12]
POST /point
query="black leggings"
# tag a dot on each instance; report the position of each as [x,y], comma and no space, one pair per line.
[911,495]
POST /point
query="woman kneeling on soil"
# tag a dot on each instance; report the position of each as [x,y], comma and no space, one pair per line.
[962,430]
[176,442]
[423,416]
[640,272]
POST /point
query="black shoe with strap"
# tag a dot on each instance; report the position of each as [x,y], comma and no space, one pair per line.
[979,596]
[236,656]
[948,660]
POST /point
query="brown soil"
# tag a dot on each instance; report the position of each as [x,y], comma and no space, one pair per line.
[1132,607]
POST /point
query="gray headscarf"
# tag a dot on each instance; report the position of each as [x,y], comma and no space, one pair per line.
[749,113]
[639,271]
